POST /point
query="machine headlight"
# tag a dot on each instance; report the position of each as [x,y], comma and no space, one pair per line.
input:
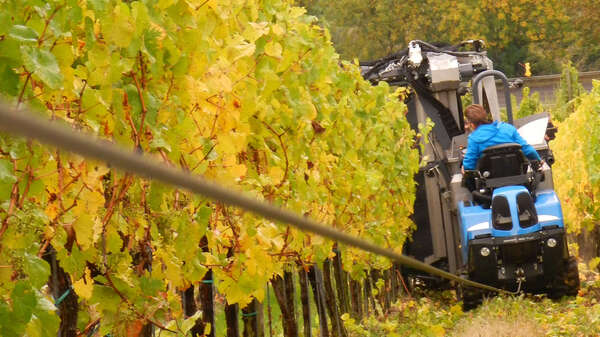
[551,242]
[485,251]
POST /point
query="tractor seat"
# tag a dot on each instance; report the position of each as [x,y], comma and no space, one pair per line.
[503,160]
[499,165]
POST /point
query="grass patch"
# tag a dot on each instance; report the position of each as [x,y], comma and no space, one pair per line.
[440,314]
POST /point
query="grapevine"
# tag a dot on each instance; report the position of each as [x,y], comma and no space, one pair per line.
[576,151]
[250,94]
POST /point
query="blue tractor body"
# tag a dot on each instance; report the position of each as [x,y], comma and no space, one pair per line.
[515,251]
[476,221]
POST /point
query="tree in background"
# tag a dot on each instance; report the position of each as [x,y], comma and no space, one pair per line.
[514,30]
[585,51]
[372,29]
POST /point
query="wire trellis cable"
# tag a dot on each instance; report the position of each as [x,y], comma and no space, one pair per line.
[26,124]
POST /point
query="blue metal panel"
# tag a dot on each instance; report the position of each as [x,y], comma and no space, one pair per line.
[510,193]
[475,220]
[548,209]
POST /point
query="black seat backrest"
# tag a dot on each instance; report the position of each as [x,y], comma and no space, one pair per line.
[526,208]
[501,218]
[503,160]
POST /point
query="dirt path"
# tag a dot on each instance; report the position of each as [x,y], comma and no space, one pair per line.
[484,325]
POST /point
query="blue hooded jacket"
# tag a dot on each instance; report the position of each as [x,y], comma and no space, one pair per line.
[487,135]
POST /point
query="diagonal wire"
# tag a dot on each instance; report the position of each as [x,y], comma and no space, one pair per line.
[25,124]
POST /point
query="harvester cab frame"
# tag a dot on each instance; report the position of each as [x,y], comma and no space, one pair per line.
[500,224]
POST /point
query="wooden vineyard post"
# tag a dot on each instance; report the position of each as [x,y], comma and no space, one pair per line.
[288,278]
[394,282]
[387,289]
[207,299]
[252,315]
[305,300]
[188,303]
[207,302]
[367,294]
[372,286]
[288,319]
[356,295]
[341,280]
[190,308]
[374,274]
[269,310]
[231,317]
[337,328]
[316,281]
[65,298]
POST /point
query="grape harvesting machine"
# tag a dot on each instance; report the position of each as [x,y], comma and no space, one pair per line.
[500,224]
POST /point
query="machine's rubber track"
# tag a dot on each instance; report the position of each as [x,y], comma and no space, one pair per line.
[567,281]
[471,297]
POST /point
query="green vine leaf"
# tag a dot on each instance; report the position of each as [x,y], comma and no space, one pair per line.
[23,33]
[43,64]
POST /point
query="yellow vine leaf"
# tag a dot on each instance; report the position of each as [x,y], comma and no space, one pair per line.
[84,228]
[276,174]
[255,30]
[278,29]
[84,286]
[273,49]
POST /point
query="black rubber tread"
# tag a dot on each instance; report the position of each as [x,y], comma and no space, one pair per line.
[471,297]
[567,281]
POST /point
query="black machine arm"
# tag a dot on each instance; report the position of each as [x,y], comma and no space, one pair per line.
[438,75]
[392,68]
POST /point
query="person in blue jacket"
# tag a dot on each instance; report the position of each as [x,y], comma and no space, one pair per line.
[486,133]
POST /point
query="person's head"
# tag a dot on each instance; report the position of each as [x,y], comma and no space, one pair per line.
[475,115]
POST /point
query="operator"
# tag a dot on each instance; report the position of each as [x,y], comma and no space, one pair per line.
[486,134]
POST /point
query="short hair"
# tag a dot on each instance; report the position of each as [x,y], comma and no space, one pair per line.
[477,115]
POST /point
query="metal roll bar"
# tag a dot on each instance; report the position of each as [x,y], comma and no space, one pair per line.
[497,73]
